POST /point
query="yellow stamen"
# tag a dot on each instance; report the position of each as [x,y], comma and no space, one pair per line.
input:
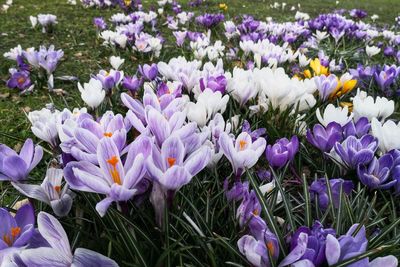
[108,134]
[171,162]
[114,172]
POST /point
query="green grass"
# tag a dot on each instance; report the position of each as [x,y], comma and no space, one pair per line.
[84,54]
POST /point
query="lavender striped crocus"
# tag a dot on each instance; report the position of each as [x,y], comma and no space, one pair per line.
[149,72]
[58,253]
[324,138]
[377,173]
[114,179]
[16,232]
[16,167]
[242,153]
[358,129]
[110,79]
[50,192]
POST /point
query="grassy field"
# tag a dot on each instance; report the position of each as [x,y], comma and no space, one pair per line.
[84,54]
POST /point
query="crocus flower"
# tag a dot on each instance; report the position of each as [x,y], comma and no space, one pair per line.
[16,231]
[149,72]
[367,106]
[372,50]
[319,189]
[47,20]
[336,114]
[180,37]
[116,62]
[49,58]
[358,129]
[16,167]
[282,152]
[258,252]
[307,246]
[19,79]
[242,153]
[254,134]
[387,134]
[385,77]
[131,83]
[44,125]
[99,23]
[50,192]
[218,83]
[209,20]
[110,79]
[326,85]
[92,93]
[324,138]
[115,180]
[353,151]
[59,252]
[377,173]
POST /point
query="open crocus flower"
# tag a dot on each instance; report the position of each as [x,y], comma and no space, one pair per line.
[110,79]
[336,114]
[326,85]
[50,192]
[171,167]
[89,133]
[358,129]
[317,69]
[16,167]
[324,138]
[376,175]
[367,106]
[282,152]
[259,251]
[16,232]
[242,153]
[44,125]
[59,253]
[346,83]
[115,180]
[388,134]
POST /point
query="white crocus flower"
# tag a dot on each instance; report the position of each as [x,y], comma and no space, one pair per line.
[44,125]
[388,134]
[334,114]
[242,85]
[116,62]
[33,20]
[366,106]
[374,17]
[320,35]
[92,93]
[372,50]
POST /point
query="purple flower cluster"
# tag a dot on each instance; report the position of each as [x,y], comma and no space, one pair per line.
[209,21]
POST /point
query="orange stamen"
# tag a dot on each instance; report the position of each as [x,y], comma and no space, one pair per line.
[21,80]
[114,172]
[108,134]
[270,247]
[242,144]
[57,188]
[256,213]
[171,161]
[15,231]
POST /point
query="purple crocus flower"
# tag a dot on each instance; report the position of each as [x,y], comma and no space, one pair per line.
[209,20]
[242,153]
[16,232]
[326,85]
[216,84]
[114,179]
[110,79]
[282,152]
[358,129]
[50,192]
[385,78]
[171,167]
[19,79]
[59,253]
[358,13]
[149,72]
[324,138]
[180,37]
[307,246]
[237,191]
[377,173]
[16,167]
[132,83]
[319,189]
[389,51]
[99,23]
[353,151]
[49,58]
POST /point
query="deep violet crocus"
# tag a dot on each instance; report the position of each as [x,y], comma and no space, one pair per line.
[319,189]
[377,173]
[114,179]
[50,192]
[242,153]
[16,167]
[16,231]
[307,246]
[353,151]
[358,129]
[149,72]
[132,83]
[324,138]
[216,84]
[59,253]
[282,152]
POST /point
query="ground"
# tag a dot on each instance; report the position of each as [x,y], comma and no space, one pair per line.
[84,54]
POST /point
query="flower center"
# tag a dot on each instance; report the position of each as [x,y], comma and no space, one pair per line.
[114,172]
[255,212]
[108,134]
[171,162]
[9,239]
[242,144]
[57,188]
[20,80]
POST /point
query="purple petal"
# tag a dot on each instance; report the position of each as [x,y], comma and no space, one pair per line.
[87,258]
[174,178]
[25,216]
[106,151]
[32,191]
[15,168]
[332,250]
[44,257]
[198,160]
[103,206]
[27,151]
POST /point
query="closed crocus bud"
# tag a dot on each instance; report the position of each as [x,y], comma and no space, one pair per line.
[92,93]
[282,152]
[149,72]
[131,83]
[388,134]
[372,50]
[324,138]
[116,62]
